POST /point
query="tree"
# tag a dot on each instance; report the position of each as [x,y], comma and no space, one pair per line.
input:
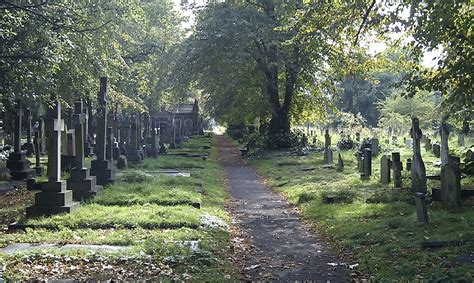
[258,53]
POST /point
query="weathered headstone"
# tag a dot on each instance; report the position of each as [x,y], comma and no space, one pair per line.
[340,163]
[444,148]
[418,171]
[385,170]
[366,163]
[408,165]
[428,146]
[397,170]
[328,153]
[436,150]
[375,146]
[17,162]
[451,183]
[83,185]
[421,209]
[54,196]
[134,151]
[102,168]
[88,148]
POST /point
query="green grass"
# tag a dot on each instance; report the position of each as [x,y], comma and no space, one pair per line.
[377,223]
[150,214]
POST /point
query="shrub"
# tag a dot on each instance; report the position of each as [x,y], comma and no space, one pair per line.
[346,144]
[285,140]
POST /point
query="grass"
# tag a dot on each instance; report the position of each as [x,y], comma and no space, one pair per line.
[376,222]
[150,214]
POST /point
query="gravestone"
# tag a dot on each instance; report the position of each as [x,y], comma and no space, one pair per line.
[418,171]
[340,163]
[134,151]
[397,170]
[36,143]
[444,147]
[428,146]
[385,164]
[42,136]
[421,209]
[437,150]
[360,157]
[17,162]
[408,166]
[375,146]
[102,168]
[83,185]
[54,197]
[68,155]
[451,183]
[88,148]
[28,146]
[328,153]
[366,163]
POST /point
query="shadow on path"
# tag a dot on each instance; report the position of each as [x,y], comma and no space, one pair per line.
[284,249]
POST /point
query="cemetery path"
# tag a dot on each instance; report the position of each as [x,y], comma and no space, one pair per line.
[283,249]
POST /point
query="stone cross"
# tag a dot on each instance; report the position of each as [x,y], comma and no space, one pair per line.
[54,127]
[102,119]
[79,121]
[397,170]
[385,170]
[418,171]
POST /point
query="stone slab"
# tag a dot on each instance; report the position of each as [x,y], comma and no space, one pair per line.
[26,247]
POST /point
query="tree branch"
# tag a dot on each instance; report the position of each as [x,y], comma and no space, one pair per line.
[364,20]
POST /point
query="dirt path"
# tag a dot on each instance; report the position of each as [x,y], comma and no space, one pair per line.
[283,249]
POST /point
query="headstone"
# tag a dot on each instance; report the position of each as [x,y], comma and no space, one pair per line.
[36,143]
[397,170]
[29,147]
[418,171]
[421,209]
[375,146]
[367,163]
[83,185]
[451,183]
[122,162]
[102,168]
[428,146]
[134,151]
[408,164]
[88,148]
[328,153]
[54,197]
[360,157]
[444,148]
[340,163]
[17,162]
[437,150]
[385,170]
[68,155]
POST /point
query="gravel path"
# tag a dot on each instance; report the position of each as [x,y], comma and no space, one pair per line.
[283,248]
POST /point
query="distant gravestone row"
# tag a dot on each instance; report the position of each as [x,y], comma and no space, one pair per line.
[111,138]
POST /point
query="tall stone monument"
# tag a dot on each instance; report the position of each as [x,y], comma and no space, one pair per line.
[418,173]
[54,197]
[83,185]
[102,168]
[17,163]
[328,154]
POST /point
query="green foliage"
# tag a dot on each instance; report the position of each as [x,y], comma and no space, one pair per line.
[285,140]
[397,110]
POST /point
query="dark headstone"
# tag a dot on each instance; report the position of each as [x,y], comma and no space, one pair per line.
[83,185]
[421,210]
[397,170]
[408,164]
[436,150]
[17,162]
[122,162]
[102,168]
[134,151]
[366,163]
[385,170]
[340,163]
